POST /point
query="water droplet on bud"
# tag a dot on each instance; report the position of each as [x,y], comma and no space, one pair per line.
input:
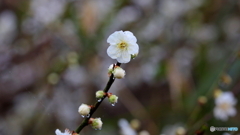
[113,104]
[83,116]
[99,100]
[88,116]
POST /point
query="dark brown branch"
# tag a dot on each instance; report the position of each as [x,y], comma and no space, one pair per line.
[97,104]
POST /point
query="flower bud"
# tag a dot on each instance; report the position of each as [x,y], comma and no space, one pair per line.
[202,100]
[110,69]
[119,73]
[53,78]
[113,99]
[144,132]
[100,94]
[72,58]
[96,123]
[226,79]
[217,92]
[84,109]
[180,131]
[135,124]
[133,56]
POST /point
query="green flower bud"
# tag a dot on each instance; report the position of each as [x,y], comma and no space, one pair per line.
[96,123]
[100,94]
[113,99]
[133,56]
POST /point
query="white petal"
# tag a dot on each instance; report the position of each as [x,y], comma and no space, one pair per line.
[113,51]
[220,114]
[226,97]
[115,38]
[58,132]
[133,48]
[130,37]
[232,111]
[124,58]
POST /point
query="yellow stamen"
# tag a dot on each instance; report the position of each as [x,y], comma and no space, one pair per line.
[122,45]
[224,106]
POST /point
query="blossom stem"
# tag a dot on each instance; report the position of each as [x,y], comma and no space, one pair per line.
[97,104]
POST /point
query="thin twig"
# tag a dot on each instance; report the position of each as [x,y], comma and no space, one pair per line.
[97,104]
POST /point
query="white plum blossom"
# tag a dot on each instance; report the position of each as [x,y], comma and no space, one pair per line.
[67,132]
[126,128]
[122,46]
[84,109]
[225,106]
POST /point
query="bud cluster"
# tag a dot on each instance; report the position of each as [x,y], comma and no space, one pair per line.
[117,71]
[85,109]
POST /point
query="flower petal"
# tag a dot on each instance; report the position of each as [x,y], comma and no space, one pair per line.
[220,114]
[232,111]
[115,37]
[226,97]
[113,51]
[124,58]
[58,132]
[130,37]
[133,48]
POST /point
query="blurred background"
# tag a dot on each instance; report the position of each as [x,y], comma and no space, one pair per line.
[53,58]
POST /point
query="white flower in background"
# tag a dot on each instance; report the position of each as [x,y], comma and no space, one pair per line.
[225,106]
[47,11]
[7,27]
[96,123]
[122,46]
[175,129]
[67,132]
[119,73]
[125,127]
[84,109]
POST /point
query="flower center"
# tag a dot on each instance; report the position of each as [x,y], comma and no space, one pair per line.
[224,106]
[122,45]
